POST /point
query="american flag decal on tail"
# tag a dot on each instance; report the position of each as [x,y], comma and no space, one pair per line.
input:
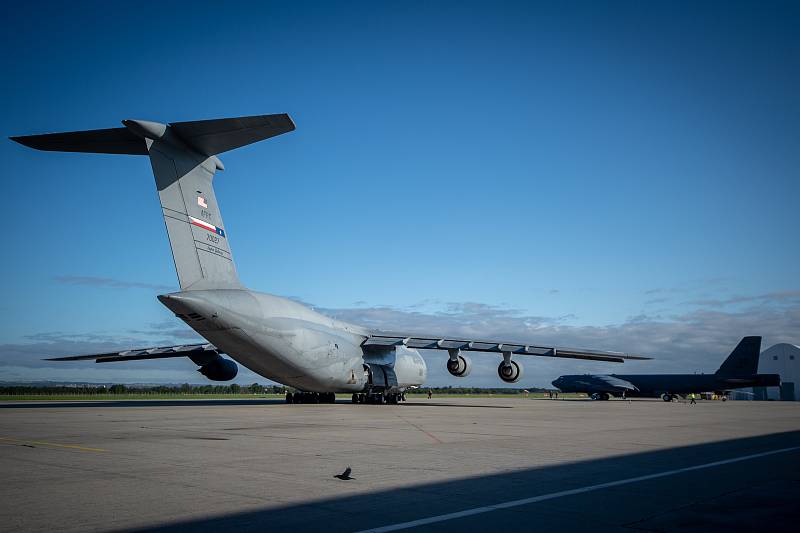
[206,226]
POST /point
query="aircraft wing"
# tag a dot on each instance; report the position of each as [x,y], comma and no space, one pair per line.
[473,345]
[617,383]
[162,352]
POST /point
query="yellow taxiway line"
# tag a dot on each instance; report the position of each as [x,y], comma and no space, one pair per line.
[51,444]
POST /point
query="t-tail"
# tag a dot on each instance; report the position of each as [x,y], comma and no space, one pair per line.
[743,360]
[184,160]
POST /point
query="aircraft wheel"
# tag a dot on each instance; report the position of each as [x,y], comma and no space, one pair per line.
[666,397]
[595,396]
[604,396]
[376,399]
[289,398]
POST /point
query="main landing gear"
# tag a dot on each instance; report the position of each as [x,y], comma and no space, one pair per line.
[378,398]
[602,396]
[311,397]
[667,397]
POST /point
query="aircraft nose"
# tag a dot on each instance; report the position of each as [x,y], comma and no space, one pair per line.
[556,382]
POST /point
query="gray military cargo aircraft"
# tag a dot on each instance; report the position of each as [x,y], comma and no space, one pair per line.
[277,338]
[739,370]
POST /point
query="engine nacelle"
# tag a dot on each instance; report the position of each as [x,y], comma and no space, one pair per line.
[459,367]
[510,372]
[219,369]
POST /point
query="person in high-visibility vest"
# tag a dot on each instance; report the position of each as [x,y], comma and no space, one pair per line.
[691,399]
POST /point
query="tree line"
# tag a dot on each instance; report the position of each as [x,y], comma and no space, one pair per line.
[186,388]
[233,388]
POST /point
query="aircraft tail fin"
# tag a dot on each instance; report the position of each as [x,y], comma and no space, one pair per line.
[743,360]
[184,161]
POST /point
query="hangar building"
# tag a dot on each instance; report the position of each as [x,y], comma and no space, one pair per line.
[783,359]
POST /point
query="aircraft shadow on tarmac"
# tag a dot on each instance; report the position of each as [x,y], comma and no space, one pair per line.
[742,496]
[434,404]
[195,403]
[135,403]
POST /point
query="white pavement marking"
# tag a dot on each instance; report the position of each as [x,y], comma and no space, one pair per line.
[571,492]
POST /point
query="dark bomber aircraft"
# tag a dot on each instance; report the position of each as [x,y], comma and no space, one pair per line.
[278,338]
[739,370]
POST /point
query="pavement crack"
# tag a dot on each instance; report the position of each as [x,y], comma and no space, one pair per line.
[633,525]
[415,426]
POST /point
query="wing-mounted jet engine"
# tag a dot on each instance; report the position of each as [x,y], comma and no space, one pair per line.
[509,370]
[458,365]
[215,367]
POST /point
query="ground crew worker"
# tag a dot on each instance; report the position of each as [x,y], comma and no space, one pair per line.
[691,399]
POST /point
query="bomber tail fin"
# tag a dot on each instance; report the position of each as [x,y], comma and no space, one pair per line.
[743,360]
[184,159]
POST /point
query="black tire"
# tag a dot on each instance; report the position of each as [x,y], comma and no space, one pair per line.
[289,398]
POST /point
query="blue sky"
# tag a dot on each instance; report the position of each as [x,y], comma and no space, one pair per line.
[621,176]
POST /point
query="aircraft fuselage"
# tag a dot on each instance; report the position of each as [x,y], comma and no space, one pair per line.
[287,342]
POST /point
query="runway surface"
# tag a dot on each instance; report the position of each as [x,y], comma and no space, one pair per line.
[428,465]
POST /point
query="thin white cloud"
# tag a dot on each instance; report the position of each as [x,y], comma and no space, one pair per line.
[111,283]
[697,340]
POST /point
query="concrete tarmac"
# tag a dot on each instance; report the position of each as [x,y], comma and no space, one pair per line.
[444,464]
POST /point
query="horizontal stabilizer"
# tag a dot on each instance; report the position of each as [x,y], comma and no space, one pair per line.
[206,137]
[107,141]
[212,137]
